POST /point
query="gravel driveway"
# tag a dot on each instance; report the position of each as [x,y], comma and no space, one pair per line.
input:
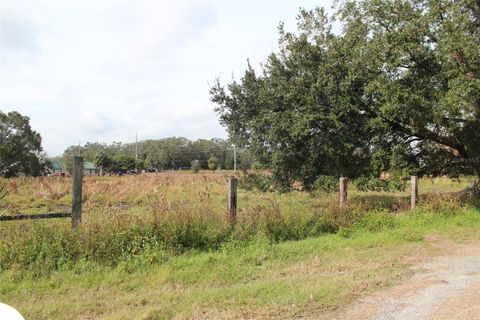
[447,287]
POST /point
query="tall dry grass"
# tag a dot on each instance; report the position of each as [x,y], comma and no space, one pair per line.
[151,216]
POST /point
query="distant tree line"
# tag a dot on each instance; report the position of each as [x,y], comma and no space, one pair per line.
[172,153]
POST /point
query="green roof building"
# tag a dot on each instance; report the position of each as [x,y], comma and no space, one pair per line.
[89,169]
[57,166]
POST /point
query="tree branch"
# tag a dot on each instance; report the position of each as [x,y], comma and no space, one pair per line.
[426,134]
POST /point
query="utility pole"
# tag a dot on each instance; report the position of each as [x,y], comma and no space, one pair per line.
[136,146]
[136,152]
[234,159]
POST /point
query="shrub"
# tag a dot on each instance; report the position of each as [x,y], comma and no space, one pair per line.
[326,184]
[195,166]
[213,163]
[376,184]
[255,181]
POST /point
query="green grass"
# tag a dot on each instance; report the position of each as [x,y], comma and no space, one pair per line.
[160,247]
[255,279]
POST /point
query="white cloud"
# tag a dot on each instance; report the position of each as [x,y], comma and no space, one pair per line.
[101,70]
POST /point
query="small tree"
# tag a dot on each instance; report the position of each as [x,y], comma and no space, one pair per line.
[103,160]
[123,162]
[213,163]
[195,166]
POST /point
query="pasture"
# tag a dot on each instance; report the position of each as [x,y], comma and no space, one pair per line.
[158,246]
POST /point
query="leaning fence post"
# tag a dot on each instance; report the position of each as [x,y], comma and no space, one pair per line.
[414,195]
[232,198]
[343,191]
[77,177]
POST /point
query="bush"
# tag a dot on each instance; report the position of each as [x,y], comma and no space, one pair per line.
[378,185]
[195,166]
[213,163]
[255,181]
[326,184]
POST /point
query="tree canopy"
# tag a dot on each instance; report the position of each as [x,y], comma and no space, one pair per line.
[20,146]
[398,90]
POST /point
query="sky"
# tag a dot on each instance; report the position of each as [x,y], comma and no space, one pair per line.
[104,70]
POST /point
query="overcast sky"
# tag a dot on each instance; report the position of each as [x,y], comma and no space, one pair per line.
[101,70]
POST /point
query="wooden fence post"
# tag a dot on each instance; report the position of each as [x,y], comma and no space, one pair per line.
[232,199]
[343,191]
[77,177]
[414,195]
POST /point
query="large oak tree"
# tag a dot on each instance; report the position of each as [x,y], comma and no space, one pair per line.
[398,90]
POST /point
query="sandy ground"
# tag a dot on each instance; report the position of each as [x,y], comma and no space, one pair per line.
[447,287]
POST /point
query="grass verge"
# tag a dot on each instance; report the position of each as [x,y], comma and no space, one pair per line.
[258,278]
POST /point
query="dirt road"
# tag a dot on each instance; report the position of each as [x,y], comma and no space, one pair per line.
[447,287]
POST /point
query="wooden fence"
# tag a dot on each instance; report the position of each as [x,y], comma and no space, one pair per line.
[76,212]
[343,190]
[344,186]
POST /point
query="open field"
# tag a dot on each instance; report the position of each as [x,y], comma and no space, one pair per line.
[160,246]
[135,194]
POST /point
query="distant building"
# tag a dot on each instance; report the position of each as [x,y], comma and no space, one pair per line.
[58,169]
[57,166]
[89,169]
